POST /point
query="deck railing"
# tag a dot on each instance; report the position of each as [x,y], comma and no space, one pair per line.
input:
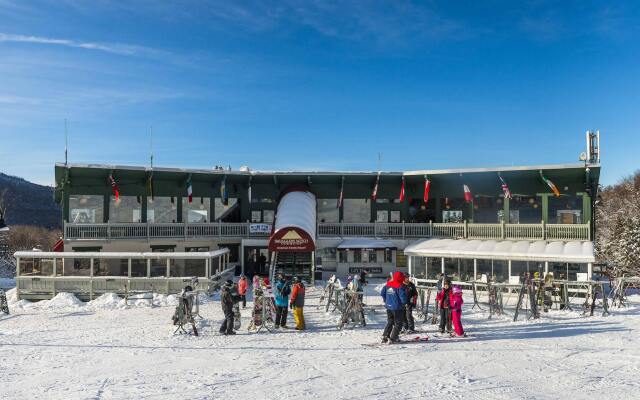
[117,231]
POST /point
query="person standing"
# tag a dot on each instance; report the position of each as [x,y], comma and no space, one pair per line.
[444,299]
[456,310]
[243,285]
[395,298]
[226,301]
[283,289]
[412,300]
[297,303]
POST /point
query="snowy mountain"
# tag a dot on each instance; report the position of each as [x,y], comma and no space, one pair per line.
[28,203]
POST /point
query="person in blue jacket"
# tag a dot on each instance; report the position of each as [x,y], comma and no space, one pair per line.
[395,298]
[281,294]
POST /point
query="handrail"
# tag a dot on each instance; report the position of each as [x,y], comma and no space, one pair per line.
[184,231]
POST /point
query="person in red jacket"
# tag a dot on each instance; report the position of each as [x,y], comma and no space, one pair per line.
[456,310]
[296,302]
[445,303]
[243,285]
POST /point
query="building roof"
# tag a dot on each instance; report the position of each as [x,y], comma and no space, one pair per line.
[524,250]
[121,254]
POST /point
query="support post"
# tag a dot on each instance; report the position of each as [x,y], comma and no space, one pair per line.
[442,264]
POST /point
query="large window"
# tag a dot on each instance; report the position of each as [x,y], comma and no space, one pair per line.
[85,209]
[111,267]
[419,267]
[568,271]
[525,210]
[36,267]
[127,209]
[356,210]
[434,267]
[486,209]
[197,211]
[221,209]
[162,210]
[493,270]
[328,210]
[565,209]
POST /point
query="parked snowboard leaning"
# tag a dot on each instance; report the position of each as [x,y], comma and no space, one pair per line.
[283,289]
[297,303]
[395,299]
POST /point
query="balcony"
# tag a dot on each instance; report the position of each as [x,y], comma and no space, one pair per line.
[183,231]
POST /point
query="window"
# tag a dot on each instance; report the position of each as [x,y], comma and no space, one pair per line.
[485,209]
[268,216]
[357,255]
[373,256]
[159,265]
[256,216]
[419,267]
[342,254]
[196,249]
[197,211]
[382,216]
[138,268]
[36,267]
[220,209]
[161,210]
[128,209]
[395,216]
[111,267]
[85,209]
[356,210]
[529,210]
[565,209]
[388,256]
[328,211]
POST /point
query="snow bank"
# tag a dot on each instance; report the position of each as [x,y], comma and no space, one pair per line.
[108,301]
[61,300]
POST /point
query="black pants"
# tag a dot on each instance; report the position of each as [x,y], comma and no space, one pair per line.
[243,298]
[394,324]
[409,323]
[227,324]
[281,316]
[445,319]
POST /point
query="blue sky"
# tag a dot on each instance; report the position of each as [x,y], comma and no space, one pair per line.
[318,85]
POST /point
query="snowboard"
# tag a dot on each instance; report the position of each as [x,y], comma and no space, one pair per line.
[236,316]
[415,339]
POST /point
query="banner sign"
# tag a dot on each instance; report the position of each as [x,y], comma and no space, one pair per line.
[260,228]
[291,239]
[369,270]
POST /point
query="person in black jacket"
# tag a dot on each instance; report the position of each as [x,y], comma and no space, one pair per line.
[227,300]
[412,299]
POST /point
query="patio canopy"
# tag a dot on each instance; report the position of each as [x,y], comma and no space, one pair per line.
[294,228]
[524,250]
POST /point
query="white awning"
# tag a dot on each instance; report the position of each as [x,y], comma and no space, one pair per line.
[120,254]
[364,243]
[523,250]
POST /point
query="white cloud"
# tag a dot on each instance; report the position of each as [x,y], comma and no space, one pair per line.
[114,48]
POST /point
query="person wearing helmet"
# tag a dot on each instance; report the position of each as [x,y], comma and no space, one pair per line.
[444,300]
[456,310]
[395,298]
[297,303]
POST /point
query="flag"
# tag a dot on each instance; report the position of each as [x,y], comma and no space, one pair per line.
[224,195]
[374,195]
[341,196]
[402,191]
[189,189]
[505,188]
[150,186]
[467,194]
[427,188]
[114,187]
[551,185]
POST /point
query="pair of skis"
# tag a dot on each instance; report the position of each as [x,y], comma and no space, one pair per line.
[415,339]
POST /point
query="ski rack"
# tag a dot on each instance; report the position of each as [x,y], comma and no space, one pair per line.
[266,310]
[353,310]
[620,287]
[183,314]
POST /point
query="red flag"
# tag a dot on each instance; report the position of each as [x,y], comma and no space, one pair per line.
[374,195]
[114,187]
[427,188]
[467,194]
[402,191]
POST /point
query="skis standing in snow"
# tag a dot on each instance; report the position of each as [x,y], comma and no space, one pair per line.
[395,298]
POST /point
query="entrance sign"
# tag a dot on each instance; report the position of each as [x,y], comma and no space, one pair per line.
[292,239]
[260,228]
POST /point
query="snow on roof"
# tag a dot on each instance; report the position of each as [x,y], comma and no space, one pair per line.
[120,254]
[297,209]
[365,243]
[539,250]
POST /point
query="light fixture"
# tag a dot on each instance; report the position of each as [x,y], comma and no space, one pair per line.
[531,200]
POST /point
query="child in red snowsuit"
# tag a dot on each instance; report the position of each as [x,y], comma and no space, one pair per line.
[456,310]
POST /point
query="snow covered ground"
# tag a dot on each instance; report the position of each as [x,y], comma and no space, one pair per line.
[65,349]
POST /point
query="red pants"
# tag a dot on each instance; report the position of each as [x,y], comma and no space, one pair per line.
[456,315]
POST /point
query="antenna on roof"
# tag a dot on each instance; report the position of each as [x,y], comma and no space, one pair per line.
[151,145]
[66,142]
[379,160]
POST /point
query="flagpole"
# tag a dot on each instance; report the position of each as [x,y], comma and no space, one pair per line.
[66,144]
[151,145]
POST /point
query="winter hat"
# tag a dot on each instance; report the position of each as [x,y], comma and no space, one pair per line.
[457,289]
[229,282]
[295,279]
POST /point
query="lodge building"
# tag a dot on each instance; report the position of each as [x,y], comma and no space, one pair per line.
[491,223]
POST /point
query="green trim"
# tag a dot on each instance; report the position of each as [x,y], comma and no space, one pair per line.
[586,208]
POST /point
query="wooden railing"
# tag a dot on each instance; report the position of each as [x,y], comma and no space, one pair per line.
[117,231]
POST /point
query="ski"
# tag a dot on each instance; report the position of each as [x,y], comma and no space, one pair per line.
[416,339]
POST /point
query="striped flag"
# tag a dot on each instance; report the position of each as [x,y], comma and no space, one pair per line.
[402,191]
[341,196]
[551,185]
[467,194]
[114,187]
[427,188]
[224,195]
[189,189]
[374,195]
[505,188]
